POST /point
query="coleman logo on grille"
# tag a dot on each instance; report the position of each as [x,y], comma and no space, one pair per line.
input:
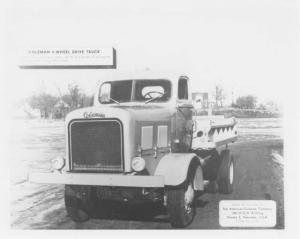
[93,115]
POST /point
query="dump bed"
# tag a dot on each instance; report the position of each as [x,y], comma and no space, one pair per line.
[213,131]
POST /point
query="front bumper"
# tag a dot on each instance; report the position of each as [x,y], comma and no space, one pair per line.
[96,179]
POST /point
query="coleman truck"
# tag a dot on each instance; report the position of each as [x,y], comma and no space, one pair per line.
[141,141]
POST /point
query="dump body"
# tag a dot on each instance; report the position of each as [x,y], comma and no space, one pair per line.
[213,131]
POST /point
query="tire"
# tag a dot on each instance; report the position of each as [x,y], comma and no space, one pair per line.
[80,202]
[180,200]
[104,209]
[225,177]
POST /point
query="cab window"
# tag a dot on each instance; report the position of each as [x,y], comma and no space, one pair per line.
[115,91]
[152,90]
[183,89]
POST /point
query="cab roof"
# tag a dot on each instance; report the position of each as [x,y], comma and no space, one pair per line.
[148,74]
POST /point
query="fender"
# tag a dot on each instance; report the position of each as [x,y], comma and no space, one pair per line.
[174,167]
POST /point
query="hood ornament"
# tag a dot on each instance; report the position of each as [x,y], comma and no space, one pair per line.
[88,115]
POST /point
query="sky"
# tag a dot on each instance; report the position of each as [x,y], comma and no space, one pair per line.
[245,46]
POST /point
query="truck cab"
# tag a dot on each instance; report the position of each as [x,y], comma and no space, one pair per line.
[135,144]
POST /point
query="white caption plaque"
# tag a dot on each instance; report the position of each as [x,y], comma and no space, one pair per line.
[247,213]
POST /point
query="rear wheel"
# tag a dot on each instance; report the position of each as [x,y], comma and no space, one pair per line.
[80,202]
[225,177]
[211,166]
[180,201]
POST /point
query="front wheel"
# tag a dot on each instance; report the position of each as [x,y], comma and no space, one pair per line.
[80,202]
[180,201]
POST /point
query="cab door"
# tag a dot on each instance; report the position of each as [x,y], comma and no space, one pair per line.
[184,114]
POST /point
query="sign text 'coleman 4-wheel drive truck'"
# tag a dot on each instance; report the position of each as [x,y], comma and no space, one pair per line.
[140,141]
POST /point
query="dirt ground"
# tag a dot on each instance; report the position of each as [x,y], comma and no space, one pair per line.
[258,175]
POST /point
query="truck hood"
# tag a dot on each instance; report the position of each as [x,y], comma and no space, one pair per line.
[130,116]
[148,113]
[124,113]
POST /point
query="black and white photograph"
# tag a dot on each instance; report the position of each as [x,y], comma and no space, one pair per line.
[151,114]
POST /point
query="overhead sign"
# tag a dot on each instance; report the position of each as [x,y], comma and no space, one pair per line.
[68,58]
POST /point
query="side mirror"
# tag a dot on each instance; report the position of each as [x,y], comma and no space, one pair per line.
[104,95]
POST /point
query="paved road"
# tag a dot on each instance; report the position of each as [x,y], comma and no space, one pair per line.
[258,176]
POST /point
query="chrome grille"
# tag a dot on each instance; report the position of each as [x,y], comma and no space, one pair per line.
[96,145]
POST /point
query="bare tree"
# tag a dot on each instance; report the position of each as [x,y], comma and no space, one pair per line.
[44,103]
[246,102]
[74,97]
[60,106]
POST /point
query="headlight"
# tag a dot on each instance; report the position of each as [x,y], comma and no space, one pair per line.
[138,164]
[58,163]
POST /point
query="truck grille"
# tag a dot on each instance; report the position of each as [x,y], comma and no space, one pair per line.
[96,145]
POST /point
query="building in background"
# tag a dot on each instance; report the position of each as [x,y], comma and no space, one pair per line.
[200,100]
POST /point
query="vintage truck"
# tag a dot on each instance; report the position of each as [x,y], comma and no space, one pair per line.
[141,141]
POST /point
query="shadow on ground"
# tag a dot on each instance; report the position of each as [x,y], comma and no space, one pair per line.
[146,212]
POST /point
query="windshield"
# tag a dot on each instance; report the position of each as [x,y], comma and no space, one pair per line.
[135,90]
